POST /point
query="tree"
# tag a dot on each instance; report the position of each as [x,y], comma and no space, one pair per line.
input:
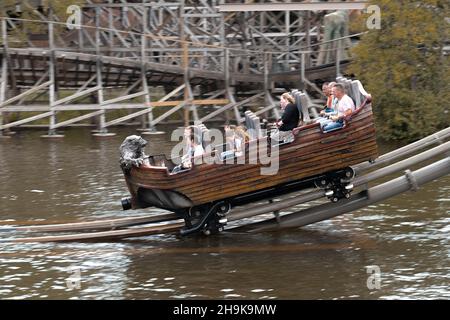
[30,10]
[404,67]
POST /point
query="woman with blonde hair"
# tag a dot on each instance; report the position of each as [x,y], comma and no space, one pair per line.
[235,138]
[241,137]
[288,98]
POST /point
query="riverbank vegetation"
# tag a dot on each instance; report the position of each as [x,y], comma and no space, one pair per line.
[404,66]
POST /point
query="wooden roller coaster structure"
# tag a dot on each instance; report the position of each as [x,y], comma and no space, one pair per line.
[203,57]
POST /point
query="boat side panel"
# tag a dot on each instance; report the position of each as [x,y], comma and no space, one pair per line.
[311,154]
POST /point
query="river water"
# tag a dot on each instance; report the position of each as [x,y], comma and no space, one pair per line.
[405,238]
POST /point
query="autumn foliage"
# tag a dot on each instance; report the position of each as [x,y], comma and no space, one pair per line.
[405,68]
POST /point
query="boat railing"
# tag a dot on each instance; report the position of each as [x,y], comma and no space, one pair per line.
[366,102]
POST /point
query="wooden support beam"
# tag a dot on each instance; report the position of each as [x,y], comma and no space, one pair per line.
[39,81]
[26,93]
[85,84]
[75,96]
[52,76]
[125,106]
[77,119]
[127,97]
[286,6]
[168,113]
[197,102]
[98,66]
[230,105]
[173,92]
[127,117]
[4,77]
[145,88]
[23,121]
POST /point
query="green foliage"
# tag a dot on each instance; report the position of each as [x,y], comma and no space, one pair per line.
[58,7]
[403,66]
[24,28]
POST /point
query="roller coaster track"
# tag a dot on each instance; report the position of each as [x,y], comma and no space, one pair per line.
[168,44]
[30,65]
[387,164]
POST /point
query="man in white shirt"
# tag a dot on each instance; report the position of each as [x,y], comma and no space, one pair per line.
[194,150]
[345,106]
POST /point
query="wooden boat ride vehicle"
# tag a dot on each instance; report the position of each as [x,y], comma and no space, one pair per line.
[205,193]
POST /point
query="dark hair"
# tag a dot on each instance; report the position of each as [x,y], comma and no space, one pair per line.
[195,136]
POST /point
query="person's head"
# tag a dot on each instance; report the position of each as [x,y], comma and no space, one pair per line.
[338,90]
[194,137]
[285,99]
[326,88]
[187,131]
[230,131]
[242,134]
[230,128]
[330,87]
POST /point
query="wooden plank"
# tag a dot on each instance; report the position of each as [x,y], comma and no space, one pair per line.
[280,6]
[26,93]
[122,98]
[230,105]
[23,121]
[75,96]
[127,117]
[149,109]
[168,113]
[196,102]
[77,119]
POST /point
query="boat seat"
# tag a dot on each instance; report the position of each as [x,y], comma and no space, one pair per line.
[160,160]
[248,122]
[206,137]
[359,98]
[253,124]
[304,107]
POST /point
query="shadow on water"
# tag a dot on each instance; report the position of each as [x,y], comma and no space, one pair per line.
[79,179]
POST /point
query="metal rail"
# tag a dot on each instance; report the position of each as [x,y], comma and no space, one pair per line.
[359,181]
[93,225]
[409,181]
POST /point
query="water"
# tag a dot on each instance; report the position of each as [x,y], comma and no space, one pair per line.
[77,179]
